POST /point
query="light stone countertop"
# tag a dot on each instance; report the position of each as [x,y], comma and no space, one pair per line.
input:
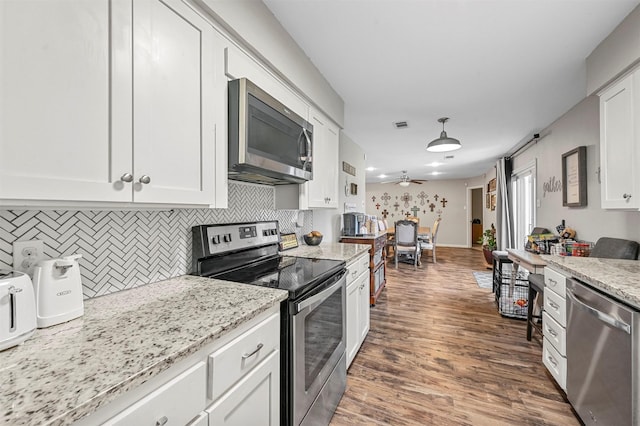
[619,278]
[67,371]
[331,251]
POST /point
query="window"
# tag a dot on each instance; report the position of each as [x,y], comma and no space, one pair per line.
[523,188]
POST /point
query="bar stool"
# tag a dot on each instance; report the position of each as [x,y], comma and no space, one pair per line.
[536,286]
[499,258]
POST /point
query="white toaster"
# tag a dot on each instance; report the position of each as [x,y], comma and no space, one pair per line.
[58,289]
[17,309]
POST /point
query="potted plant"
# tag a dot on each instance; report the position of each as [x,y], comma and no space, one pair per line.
[488,241]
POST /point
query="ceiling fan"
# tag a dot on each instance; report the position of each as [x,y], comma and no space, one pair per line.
[405,180]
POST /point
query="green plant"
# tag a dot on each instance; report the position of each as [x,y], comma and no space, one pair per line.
[488,239]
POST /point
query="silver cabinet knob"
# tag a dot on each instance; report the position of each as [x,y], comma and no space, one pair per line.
[127,177]
[144,179]
[626,196]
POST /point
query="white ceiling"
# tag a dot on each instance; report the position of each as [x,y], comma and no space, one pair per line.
[502,70]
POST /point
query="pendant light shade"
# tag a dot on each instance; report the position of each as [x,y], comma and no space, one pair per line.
[444,143]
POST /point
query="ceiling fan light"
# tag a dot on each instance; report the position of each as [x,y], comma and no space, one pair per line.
[404,183]
[444,143]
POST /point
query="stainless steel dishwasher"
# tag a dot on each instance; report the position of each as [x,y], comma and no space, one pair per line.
[602,357]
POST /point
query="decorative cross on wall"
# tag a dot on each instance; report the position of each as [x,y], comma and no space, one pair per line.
[415,210]
[378,206]
[406,198]
[444,202]
[423,196]
[384,213]
[373,198]
[435,197]
[431,207]
[396,205]
[385,198]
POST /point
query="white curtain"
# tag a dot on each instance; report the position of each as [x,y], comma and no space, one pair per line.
[504,223]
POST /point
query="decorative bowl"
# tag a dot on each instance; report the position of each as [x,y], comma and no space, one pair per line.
[311,240]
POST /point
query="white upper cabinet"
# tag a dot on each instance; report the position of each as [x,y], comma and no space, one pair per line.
[620,143]
[111,101]
[322,191]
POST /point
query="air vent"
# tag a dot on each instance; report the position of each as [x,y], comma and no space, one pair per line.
[449,157]
[401,124]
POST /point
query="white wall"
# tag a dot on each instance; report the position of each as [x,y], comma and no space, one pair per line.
[455,226]
[329,221]
[578,127]
[253,24]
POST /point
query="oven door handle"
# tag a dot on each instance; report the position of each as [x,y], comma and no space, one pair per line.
[607,319]
[319,297]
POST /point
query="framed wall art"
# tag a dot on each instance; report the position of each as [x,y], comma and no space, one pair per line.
[574,177]
[491,186]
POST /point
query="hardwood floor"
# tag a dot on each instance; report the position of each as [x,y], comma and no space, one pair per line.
[438,353]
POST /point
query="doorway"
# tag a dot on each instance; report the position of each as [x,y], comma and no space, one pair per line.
[474,215]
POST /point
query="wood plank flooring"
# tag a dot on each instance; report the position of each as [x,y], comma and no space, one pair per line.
[438,353]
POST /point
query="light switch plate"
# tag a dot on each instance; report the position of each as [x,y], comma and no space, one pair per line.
[26,254]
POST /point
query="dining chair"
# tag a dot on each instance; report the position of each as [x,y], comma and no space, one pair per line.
[406,241]
[429,243]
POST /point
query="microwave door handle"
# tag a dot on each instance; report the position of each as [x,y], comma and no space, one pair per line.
[308,153]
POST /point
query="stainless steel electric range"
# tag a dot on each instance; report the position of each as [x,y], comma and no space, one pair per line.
[313,367]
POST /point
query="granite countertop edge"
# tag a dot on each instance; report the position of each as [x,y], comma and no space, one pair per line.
[73,384]
[616,277]
[332,251]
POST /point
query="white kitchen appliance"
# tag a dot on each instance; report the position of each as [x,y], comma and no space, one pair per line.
[58,290]
[17,308]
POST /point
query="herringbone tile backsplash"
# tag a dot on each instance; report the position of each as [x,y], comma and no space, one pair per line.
[125,249]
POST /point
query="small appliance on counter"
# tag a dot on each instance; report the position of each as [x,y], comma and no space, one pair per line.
[353,223]
[17,309]
[58,290]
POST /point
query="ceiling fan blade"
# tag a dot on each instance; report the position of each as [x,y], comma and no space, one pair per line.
[418,181]
[390,181]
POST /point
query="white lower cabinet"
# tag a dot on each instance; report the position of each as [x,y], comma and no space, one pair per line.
[232,381]
[254,400]
[174,403]
[357,309]
[554,322]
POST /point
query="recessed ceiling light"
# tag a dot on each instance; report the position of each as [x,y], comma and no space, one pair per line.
[435,164]
[436,173]
[382,176]
[370,169]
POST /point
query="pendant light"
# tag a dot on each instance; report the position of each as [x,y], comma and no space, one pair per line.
[443,143]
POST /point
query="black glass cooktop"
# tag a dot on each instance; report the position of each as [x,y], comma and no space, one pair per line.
[297,275]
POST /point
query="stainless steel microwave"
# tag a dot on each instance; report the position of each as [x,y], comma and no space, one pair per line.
[268,143]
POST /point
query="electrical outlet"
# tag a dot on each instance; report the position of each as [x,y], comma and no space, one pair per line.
[26,254]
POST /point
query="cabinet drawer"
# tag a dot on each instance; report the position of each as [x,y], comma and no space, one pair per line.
[357,267]
[556,307]
[229,363]
[179,401]
[555,363]
[556,333]
[555,281]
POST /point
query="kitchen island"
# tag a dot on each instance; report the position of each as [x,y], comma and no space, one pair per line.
[67,371]
[377,265]
[331,251]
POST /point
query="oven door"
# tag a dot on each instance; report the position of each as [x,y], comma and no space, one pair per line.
[318,343]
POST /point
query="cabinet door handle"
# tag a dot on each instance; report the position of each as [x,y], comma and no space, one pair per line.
[255,351]
[127,177]
[626,196]
[162,421]
[553,305]
[552,361]
[552,332]
[552,282]
[144,179]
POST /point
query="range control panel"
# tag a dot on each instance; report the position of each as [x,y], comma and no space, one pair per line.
[223,238]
